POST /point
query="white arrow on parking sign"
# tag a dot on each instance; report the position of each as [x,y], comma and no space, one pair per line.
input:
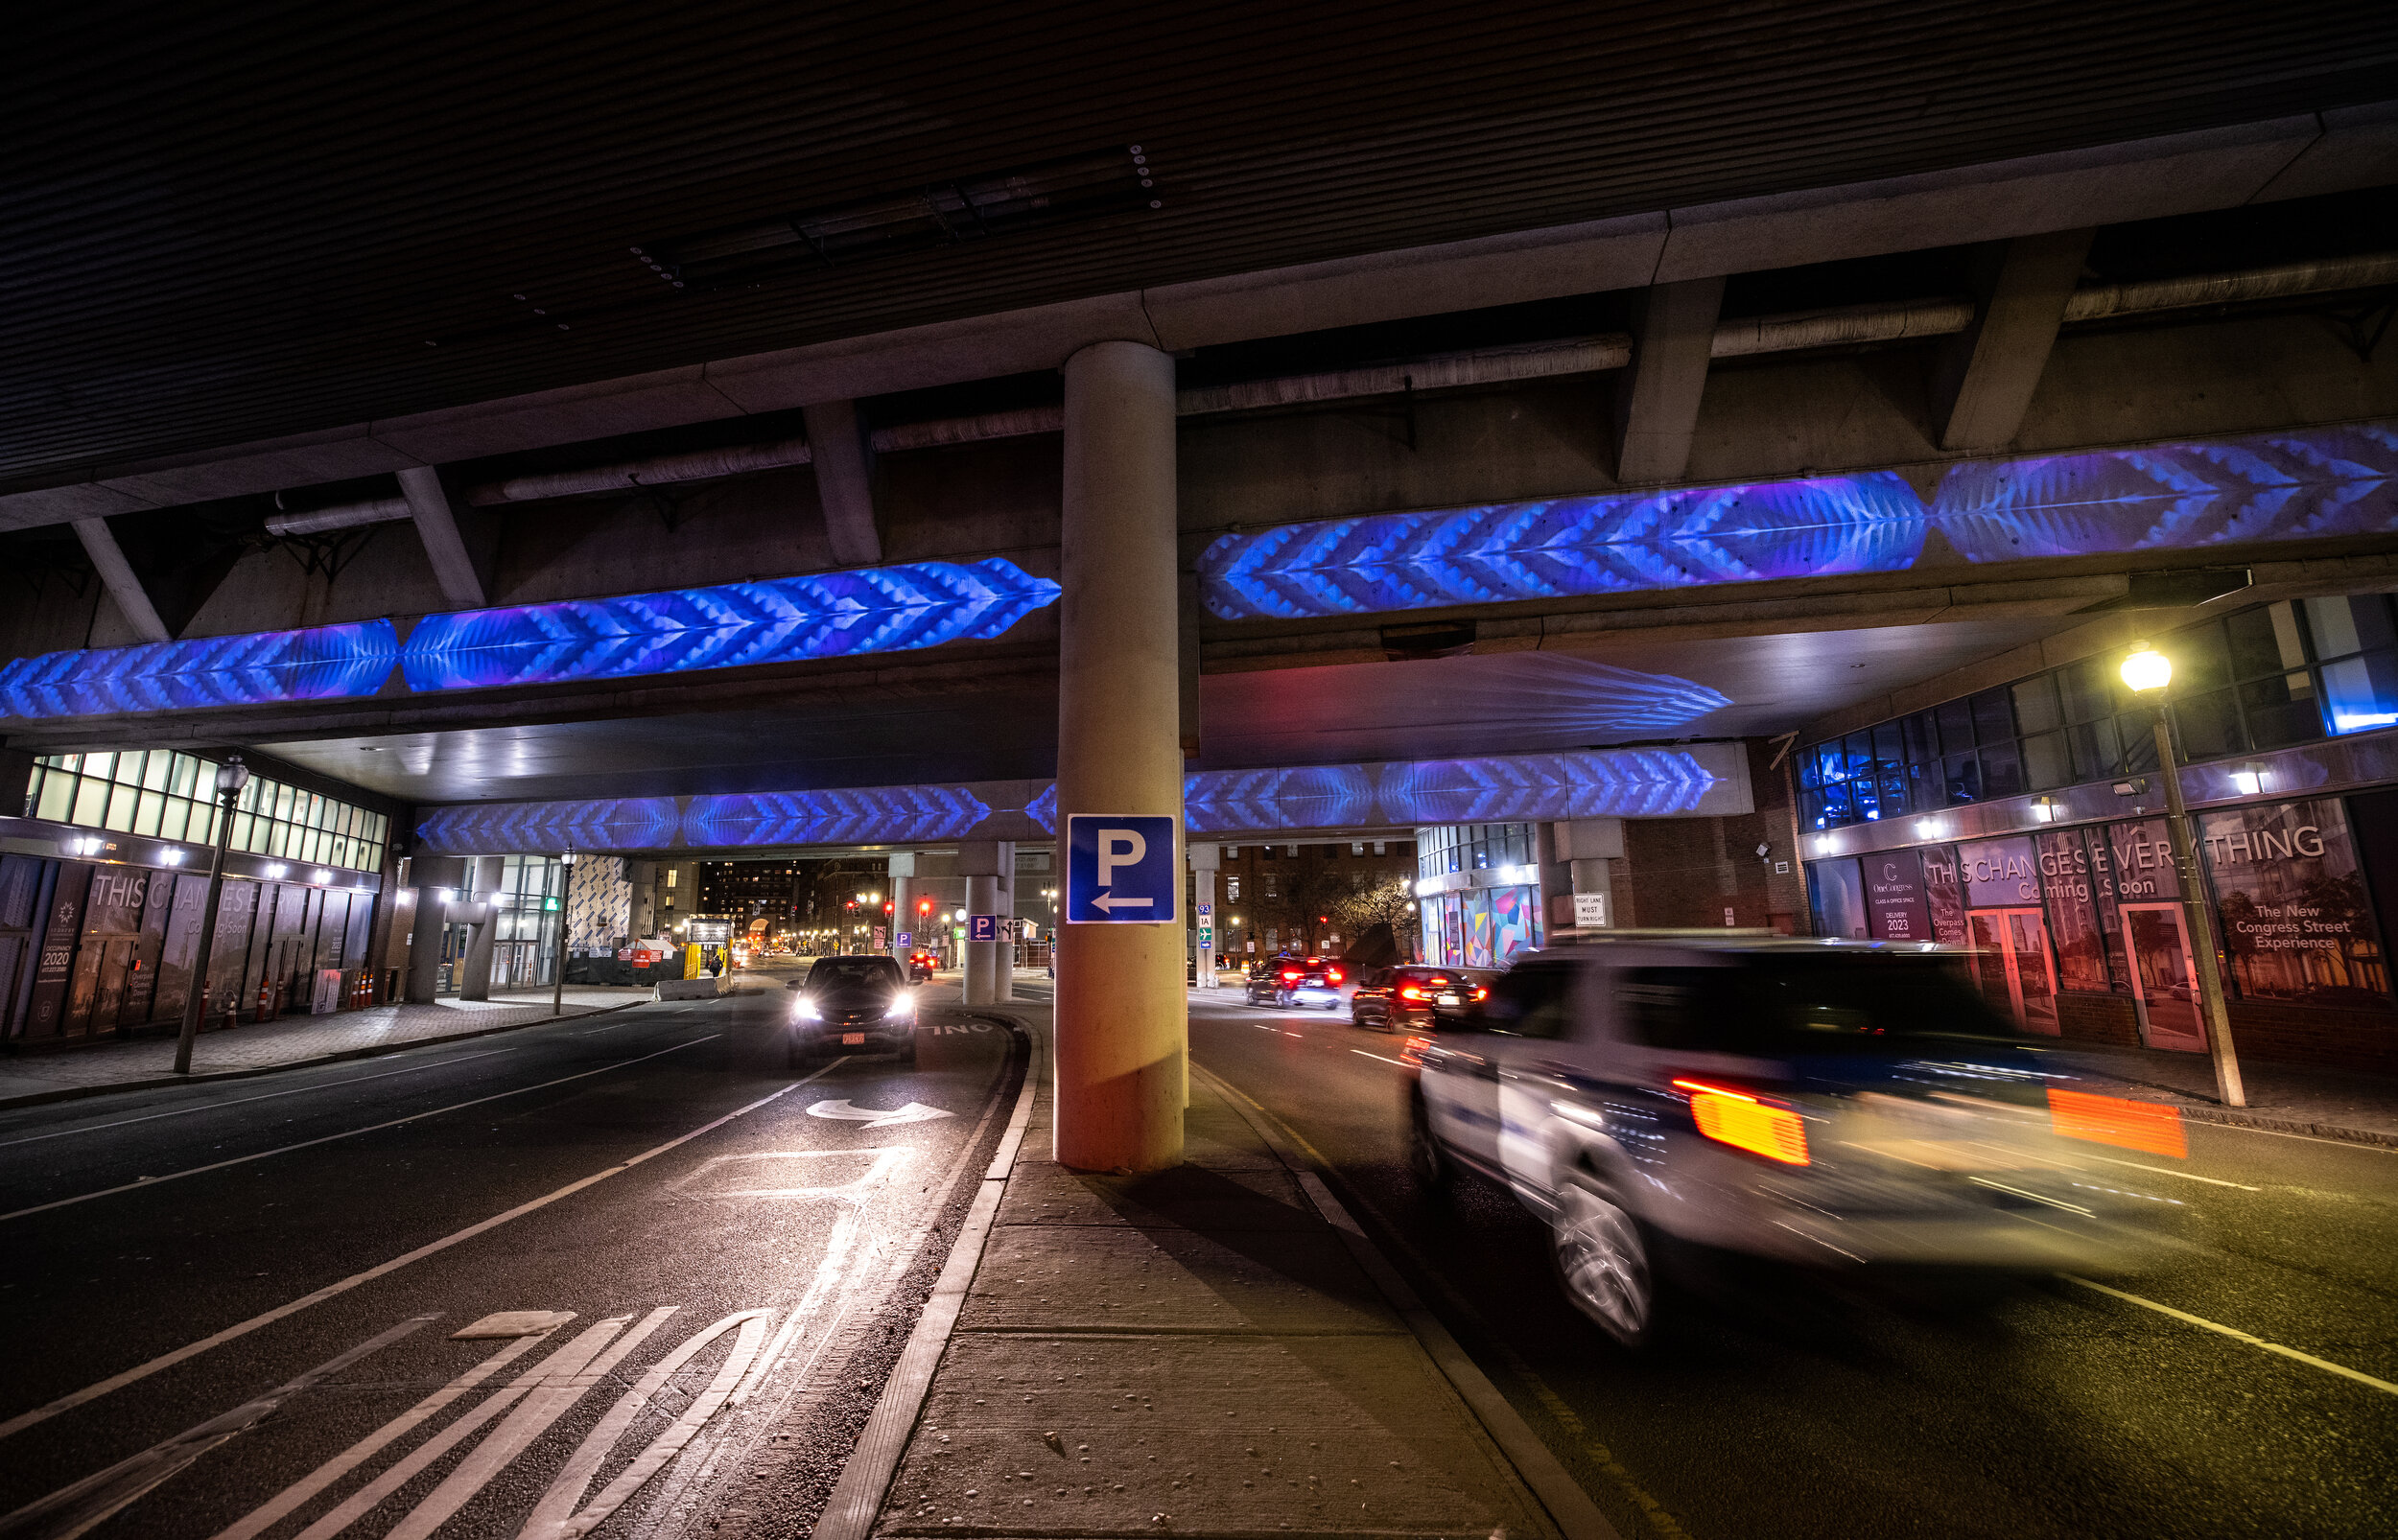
[875,1117]
[1108,905]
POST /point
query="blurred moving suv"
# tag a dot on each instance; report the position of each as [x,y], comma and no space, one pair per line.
[1295,983]
[1415,997]
[857,1004]
[1842,1105]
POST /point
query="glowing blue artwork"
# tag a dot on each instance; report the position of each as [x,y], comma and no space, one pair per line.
[1595,783]
[498,828]
[2308,485]
[786,620]
[325,663]
[1570,545]
[1331,796]
[868,816]
[1043,809]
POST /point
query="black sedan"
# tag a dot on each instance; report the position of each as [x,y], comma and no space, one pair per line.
[1416,998]
[853,1005]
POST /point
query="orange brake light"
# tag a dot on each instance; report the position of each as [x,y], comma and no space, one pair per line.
[1482,994]
[1745,1123]
[2145,1125]
[1411,992]
[1332,973]
[1290,975]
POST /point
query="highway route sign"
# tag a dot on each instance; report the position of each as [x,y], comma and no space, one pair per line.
[1121,871]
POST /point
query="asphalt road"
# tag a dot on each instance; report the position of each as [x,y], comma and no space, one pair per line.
[1789,1405]
[224,1302]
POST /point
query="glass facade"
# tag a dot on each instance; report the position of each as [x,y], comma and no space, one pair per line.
[529,907]
[162,794]
[2262,678]
[1477,926]
[1472,848]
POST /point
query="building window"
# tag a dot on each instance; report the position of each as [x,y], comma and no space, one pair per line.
[1231,889]
[670,876]
[160,794]
[1269,886]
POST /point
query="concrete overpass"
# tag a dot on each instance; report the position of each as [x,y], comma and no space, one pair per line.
[1539,507]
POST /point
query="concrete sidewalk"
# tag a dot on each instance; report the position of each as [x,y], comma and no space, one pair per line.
[288,1042]
[2338,1103]
[1213,1350]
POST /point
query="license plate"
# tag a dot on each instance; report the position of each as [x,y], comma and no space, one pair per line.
[1445,999]
[852,1037]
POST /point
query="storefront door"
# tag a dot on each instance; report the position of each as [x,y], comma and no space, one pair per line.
[2014,967]
[2164,980]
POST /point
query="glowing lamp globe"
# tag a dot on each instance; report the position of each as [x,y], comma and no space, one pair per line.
[2147,670]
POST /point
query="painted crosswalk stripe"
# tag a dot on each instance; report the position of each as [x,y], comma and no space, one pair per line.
[72,1510]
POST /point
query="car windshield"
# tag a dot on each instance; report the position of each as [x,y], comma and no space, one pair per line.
[1775,1005]
[848,972]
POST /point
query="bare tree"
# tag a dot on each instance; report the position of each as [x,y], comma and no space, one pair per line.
[1389,901]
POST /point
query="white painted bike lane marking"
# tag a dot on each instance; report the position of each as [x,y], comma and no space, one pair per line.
[165,1360]
[145,1183]
[72,1509]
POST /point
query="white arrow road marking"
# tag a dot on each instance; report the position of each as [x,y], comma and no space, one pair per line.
[289,1500]
[71,1510]
[561,1388]
[555,1518]
[1106,904]
[874,1118]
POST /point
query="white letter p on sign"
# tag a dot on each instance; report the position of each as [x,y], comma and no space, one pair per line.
[1119,846]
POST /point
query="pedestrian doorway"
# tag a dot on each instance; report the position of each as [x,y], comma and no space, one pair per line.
[2014,967]
[2164,976]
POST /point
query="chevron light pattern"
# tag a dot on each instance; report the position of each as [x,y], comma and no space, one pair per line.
[2308,485]
[1504,552]
[1330,796]
[604,823]
[1043,809]
[868,816]
[325,663]
[1591,783]
[787,620]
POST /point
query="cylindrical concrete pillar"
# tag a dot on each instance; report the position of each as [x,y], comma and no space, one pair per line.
[982,957]
[1121,1007]
[474,975]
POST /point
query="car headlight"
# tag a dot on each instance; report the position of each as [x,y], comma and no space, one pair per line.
[804,1009]
[904,1005]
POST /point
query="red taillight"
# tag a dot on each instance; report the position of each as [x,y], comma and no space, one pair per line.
[1291,976]
[1332,973]
[1740,1120]
[1411,992]
[1482,994]
[1440,981]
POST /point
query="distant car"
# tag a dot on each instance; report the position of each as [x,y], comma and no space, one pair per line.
[1295,983]
[1416,997]
[919,966]
[852,1004]
[1835,1106]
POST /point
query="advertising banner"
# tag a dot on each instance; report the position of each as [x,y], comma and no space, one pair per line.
[2292,902]
[2071,888]
[1893,897]
[2000,873]
[1944,895]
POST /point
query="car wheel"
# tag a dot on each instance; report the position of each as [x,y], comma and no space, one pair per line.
[1284,1001]
[1425,1158]
[907,1055]
[1602,1261]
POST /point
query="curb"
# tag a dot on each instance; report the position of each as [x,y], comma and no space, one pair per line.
[2338,1133]
[77,1093]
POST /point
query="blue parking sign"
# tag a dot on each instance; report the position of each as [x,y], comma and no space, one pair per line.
[1120,870]
[982,928]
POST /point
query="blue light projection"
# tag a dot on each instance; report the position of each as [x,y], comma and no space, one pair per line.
[1328,796]
[2301,486]
[1592,784]
[787,620]
[868,816]
[501,828]
[325,663]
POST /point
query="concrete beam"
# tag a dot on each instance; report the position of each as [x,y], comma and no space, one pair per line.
[454,568]
[132,599]
[1984,382]
[1657,403]
[836,444]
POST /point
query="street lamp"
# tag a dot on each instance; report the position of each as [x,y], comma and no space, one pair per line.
[566,883]
[231,777]
[2146,674]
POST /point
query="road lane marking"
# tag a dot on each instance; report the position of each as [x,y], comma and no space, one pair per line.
[289,1500]
[167,1361]
[186,1111]
[86,1505]
[2168,1170]
[1302,1037]
[1385,1058]
[841,1111]
[557,1517]
[141,1183]
[2239,1335]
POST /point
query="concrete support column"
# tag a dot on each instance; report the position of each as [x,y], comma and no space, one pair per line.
[116,574]
[1985,376]
[1205,861]
[1657,400]
[989,869]
[1121,1011]
[436,881]
[903,875]
[474,978]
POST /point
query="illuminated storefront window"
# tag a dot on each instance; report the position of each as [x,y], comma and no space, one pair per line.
[160,794]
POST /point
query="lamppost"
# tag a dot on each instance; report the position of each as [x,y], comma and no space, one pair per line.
[231,777]
[2146,674]
[565,884]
